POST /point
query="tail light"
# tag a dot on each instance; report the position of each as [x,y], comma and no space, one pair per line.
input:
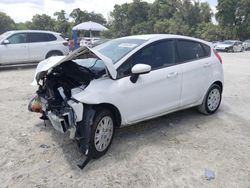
[65,43]
[218,56]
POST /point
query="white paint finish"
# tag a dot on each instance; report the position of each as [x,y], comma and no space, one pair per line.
[14,53]
[140,68]
[154,93]
[195,78]
[78,109]
[30,52]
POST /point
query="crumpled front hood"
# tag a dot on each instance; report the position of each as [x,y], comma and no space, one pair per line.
[54,61]
[45,65]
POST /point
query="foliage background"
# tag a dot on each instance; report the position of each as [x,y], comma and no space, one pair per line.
[185,17]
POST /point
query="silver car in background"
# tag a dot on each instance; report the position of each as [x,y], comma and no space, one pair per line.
[230,46]
[246,44]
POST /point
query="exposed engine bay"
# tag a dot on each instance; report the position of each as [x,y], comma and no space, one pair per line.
[57,86]
[54,95]
[59,79]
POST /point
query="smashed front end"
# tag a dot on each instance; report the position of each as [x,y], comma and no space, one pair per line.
[57,84]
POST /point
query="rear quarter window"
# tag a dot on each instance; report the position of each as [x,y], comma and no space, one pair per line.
[207,50]
[191,50]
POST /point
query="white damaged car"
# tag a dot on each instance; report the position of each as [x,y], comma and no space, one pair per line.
[125,81]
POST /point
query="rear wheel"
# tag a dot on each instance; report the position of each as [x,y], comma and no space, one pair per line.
[102,133]
[212,100]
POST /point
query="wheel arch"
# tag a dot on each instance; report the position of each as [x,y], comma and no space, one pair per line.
[219,83]
[53,51]
[113,109]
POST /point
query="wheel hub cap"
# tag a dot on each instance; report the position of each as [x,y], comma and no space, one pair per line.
[213,100]
[103,133]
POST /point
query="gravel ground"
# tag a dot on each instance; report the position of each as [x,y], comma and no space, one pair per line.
[171,151]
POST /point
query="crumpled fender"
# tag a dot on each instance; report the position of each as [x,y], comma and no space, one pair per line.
[83,129]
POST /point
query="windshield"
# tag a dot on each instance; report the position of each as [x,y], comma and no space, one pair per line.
[2,36]
[228,42]
[118,48]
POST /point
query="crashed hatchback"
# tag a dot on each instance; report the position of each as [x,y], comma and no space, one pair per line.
[124,81]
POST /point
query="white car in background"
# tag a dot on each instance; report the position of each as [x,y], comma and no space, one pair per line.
[246,45]
[88,41]
[24,46]
[125,81]
[229,46]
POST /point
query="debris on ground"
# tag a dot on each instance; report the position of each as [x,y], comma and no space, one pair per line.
[44,146]
[209,174]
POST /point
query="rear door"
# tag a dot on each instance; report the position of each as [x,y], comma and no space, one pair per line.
[16,51]
[39,45]
[195,68]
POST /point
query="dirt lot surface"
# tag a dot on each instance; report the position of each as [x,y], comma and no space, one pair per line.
[171,151]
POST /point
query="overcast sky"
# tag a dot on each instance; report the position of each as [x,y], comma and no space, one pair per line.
[23,10]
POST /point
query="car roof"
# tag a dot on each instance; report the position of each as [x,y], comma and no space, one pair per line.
[155,37]
[233,40]
[33,31]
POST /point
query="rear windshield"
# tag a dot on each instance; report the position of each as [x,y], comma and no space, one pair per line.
[118,48]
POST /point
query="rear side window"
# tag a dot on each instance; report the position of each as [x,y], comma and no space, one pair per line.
[40,37]
[190,50]
[207,50]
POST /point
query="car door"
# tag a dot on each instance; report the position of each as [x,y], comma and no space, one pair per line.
[16,51]
[38,46]
[154,93]
[195,68]
[237,47]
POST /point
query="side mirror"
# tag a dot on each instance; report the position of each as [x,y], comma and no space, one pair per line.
[139,69]
[6,42]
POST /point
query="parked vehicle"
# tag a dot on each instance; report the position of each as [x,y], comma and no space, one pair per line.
[25,46]
[125,81]
[246,44]
[215,43]
[87,41]
[230,46]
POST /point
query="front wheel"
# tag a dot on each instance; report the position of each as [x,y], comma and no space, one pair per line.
[102,133]
[212,100]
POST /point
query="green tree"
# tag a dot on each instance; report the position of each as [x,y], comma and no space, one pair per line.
[6,23]
[234,17]
[80,16]
[130,18]
[61,25]
[43,22]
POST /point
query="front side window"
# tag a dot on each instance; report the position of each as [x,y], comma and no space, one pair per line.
[189,50]
[17,38]
[157,55]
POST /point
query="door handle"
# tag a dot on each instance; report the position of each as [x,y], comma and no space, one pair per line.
[172,74]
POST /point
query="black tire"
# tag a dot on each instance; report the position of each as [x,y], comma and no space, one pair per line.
[98,117]
[205,107]
[230,50]
[53,53]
